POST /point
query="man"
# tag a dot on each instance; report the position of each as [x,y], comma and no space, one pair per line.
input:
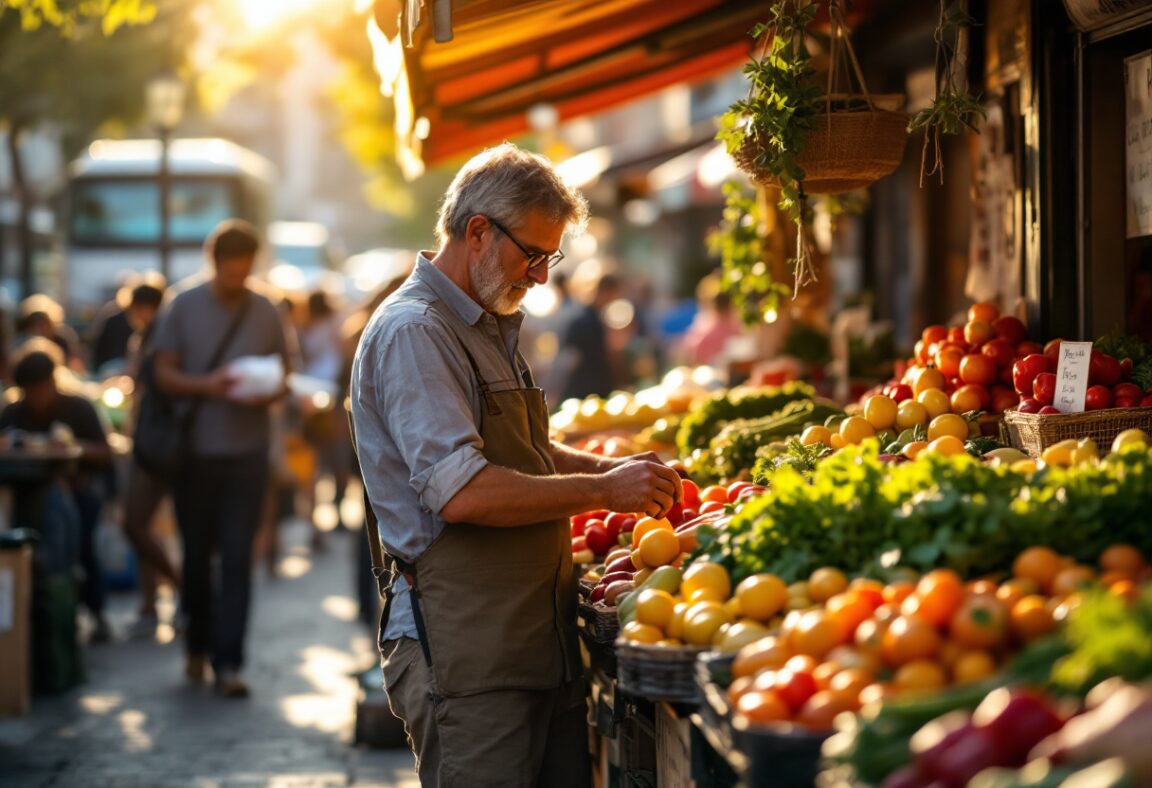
[221,487]
[40,408]
[585,361]
[481,661]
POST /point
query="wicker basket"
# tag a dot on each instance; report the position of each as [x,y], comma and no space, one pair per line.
[601,623]
[657,672]
[844,151]
[584,587]
[1032,433]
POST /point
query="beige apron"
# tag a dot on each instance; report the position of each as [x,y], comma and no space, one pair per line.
[495,606]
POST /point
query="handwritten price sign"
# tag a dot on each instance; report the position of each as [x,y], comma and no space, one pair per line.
[1072,376]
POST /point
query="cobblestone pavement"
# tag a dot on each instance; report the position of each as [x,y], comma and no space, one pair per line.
[137,722]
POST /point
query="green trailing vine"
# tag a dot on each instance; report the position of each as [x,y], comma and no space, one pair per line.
[767,130]
[745,273]
[952,111]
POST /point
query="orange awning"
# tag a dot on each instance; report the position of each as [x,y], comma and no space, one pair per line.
[506,56]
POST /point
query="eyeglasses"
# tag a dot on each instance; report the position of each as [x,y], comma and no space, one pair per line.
[535,259]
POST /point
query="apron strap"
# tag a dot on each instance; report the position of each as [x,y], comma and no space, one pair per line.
[385,566]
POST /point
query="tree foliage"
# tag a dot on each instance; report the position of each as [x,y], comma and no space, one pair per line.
[70,15]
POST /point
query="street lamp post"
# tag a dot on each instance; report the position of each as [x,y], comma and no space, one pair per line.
[165,108]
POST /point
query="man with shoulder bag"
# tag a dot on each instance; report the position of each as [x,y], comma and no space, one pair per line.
[219,489]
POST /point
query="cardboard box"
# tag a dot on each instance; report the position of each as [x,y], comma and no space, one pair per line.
[15,630]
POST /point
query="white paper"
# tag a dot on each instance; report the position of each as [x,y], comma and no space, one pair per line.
[256,376]
[1072,376]
[7,600]
[1138,143]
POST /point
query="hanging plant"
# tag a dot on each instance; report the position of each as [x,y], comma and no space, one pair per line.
[745,270]
[952,111]
[807,139]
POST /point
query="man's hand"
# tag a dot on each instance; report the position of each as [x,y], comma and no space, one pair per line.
[218,383]
[640,485]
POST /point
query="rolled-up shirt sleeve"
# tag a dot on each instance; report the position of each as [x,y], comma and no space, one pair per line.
[428,408]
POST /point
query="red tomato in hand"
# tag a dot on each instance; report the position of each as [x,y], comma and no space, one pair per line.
[1044,388]
[1025,370]
[1097,398]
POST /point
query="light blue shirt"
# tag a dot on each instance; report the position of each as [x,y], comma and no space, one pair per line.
[416,408]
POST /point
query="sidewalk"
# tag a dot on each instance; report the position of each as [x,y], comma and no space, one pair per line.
[137,723]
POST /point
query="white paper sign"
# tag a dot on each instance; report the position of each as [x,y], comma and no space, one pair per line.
[1072,376]
[1138,143]
[7,600]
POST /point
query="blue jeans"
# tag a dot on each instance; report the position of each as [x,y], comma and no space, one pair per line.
[219,502]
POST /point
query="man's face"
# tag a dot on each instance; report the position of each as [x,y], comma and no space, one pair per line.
[233,272]
[140,317]
[41,397]
[501,275]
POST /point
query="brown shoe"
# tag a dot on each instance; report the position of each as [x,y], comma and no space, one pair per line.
[230,685]
[196,668]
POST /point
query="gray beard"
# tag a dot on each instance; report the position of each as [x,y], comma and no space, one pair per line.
[494,290]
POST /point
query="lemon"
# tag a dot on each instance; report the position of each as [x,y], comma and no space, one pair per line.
[641,633]
[855,429]
[935,401]
[880,411]
[948,424]
[761,596]
[1059,453]
[706,576]
[655,607]
[910,414]
[1129,438]
[816,434]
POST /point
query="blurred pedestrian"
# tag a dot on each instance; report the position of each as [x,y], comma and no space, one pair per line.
[221,489]
[40,316]
[67,419]
[112,329]
[714,325]
[585,363]
[324,426]
[143,492]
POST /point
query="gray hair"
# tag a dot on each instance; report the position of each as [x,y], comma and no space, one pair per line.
[507,183]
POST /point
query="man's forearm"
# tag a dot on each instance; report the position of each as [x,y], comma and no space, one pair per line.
[569,460]
[503,497]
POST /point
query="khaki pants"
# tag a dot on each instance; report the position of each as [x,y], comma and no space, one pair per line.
[505,739]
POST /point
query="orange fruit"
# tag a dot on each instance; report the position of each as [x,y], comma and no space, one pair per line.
[825,583]
[1072,579]
[848,611]
[855,429]
[763,706]
[1012,591]
[1125,589]
[714,492]
[659,547]
[947,445]
[766,653]
[869,636]
[897,592]
[824,672]
[1031,618]
[762,596]
[1038,564]
[972,666]
[920,674]
[939,594]
[641,633]
[981,622]
[816,434]
[821,709]
[852,680]
[880,411]
[1123,558]
[655,607]
[706,575]
[948,424]
[646,525]
[935,401]
[815,634]
[929,378]
[986,311]
[849,657]
[909,638]
[802,663]
[911,413]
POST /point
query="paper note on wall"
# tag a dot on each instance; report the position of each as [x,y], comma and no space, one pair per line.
[7,600]
[1072,376]
[1138,143]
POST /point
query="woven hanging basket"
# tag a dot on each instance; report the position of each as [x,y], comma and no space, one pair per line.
[857,140]
[844,151]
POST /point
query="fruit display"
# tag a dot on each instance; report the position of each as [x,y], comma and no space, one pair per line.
[864,515]
[993,727]
[680,388]
[1109,382]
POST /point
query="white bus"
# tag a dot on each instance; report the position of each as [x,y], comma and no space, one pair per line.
[114,210]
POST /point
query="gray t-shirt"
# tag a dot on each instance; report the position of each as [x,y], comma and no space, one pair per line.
[192,327]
